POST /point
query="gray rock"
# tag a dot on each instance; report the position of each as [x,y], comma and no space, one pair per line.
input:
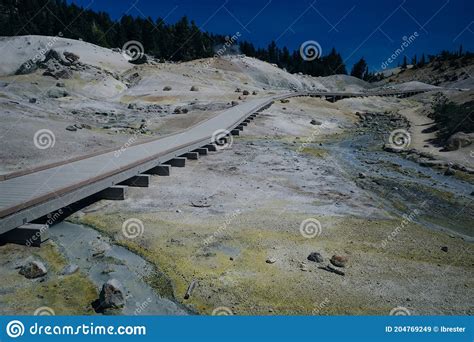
[316,257]
[32,100]
[458,140]
[234,103]
[361,175]
[245,92]
[444,249]
[57,93]
[194,88]
[70,269]
[71,128]
[33,269]
[167,88]
[60,85]
[449,172]
[270,261]
[112,295]
[316,122]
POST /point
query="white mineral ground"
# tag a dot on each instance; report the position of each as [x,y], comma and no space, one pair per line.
[220,219]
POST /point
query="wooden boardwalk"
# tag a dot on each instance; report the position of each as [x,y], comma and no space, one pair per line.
[36,193]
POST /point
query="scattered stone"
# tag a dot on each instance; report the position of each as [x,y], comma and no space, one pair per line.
[167,88]
[254,92]
[316,122]
[362,175]
[444,249]
[112,295]
[69,269]
[194,88]
[245,92]
[234,103]
[177,110]
[339,260]
[270,261]
[303,267]
[458,140]
[284,101]
[60,85]
[449,172]
[316,257]
[71,128]
[32,100]
[55,93]
[33,269]
[71,57]
[331,269]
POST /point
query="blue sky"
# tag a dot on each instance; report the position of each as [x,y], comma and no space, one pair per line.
[357,28]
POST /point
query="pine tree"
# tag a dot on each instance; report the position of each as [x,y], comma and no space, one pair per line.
[360,69]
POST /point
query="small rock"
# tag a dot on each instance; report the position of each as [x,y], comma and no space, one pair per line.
[303,267]
[57,93]
[449,172]
[285,101]
[33,269]
[361,175]
[316,122]
[112,295]
[194,88]
[245,92]
[234,103]
[339,260]
[71,128]
[270,261]
[32,100]
[316,257]
[70,269]
[254,92]
[444,249]
[167,88]
[60,85]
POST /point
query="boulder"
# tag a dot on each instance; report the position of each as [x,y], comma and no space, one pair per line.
[339,260]
[194,88]
[458,140]
[33,269]
[112,295]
